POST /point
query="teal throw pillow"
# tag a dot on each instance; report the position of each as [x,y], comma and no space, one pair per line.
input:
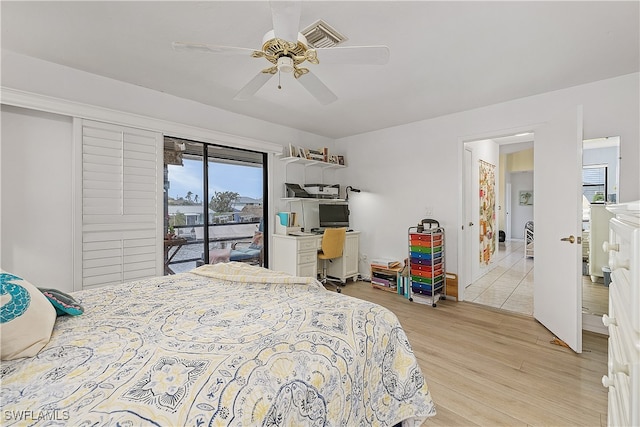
[63,303]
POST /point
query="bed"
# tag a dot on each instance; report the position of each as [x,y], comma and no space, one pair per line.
[225,344]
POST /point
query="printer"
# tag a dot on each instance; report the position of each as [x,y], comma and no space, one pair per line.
[323,191]
[294,190]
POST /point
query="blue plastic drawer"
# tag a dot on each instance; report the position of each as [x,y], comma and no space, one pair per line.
[427,256]
[425,289]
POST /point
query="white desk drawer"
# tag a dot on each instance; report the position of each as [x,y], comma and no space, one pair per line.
[620,311]
[624,259]
[307,244]
[305,257]
[307,270]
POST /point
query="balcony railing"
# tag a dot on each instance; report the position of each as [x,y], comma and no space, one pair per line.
[193,249]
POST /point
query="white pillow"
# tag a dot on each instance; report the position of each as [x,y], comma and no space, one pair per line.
[26,320]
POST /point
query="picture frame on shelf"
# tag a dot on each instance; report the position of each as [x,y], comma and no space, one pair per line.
[293,151]
[341,160]
[316,155]
[301,153]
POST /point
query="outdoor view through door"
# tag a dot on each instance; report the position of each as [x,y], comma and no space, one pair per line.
[213,203]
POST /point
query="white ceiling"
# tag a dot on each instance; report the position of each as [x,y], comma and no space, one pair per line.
[445,56]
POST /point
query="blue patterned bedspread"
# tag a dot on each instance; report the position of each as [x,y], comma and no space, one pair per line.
[238,347]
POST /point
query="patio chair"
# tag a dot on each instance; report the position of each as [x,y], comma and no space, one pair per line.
[252,253]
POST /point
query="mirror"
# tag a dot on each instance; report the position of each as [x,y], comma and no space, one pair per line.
[600,171]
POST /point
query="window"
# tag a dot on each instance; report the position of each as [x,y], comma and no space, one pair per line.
[212,204]
[594,183]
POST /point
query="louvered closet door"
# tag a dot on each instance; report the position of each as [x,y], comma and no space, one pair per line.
[121,204]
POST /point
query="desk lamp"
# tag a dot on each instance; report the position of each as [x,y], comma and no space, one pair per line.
[350,188]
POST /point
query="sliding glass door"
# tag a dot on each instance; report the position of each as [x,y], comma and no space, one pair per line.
[214,204]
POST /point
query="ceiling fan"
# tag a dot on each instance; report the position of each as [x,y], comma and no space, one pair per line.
[287,49]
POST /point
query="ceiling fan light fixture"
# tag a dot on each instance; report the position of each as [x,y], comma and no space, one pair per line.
[285,64]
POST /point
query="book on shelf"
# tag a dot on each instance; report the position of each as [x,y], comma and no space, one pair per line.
[292,151]
[314,154]
[383,282]
[391,277]
[385,263]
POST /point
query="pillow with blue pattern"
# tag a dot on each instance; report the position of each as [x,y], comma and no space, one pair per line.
[26,318]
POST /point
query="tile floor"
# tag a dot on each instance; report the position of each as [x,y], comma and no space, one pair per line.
[509,286]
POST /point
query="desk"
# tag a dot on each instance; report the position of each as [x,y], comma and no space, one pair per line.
[176,243]
[298,256]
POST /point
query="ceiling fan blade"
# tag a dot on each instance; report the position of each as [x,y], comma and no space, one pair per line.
[286,19]
[365,55]
[210,48]
[253,86]
[316,88]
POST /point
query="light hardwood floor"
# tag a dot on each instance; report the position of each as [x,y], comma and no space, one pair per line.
[489,367]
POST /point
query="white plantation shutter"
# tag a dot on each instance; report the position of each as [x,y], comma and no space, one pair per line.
[121,204]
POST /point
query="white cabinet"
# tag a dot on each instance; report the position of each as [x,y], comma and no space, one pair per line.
[298,256]
[623,320]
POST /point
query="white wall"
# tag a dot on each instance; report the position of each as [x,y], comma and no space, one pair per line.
[411,167]
[520,214]
[36,169]
[46,78]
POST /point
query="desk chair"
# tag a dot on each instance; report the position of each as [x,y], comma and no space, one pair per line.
[331,248]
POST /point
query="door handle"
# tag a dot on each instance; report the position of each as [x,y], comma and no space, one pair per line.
[569,239]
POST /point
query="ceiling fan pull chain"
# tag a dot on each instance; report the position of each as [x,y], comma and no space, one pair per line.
[279,87]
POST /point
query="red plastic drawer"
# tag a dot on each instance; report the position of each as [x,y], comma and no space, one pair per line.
[420,240]
[417,272]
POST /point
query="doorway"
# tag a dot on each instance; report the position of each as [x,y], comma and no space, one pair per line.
[506,282]
[557,292]
[509,285]
[600,163]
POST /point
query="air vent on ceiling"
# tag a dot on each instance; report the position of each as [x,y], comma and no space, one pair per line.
[320,34]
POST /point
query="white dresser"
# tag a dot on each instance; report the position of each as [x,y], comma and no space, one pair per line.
[623,320]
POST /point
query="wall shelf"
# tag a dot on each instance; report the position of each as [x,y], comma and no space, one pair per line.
[307,162]
[288,160]
[311,199]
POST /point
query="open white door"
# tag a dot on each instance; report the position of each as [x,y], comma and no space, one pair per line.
[469,271]
[507,210]
[557,207]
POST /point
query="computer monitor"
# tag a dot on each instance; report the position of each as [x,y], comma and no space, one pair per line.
[333,215]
